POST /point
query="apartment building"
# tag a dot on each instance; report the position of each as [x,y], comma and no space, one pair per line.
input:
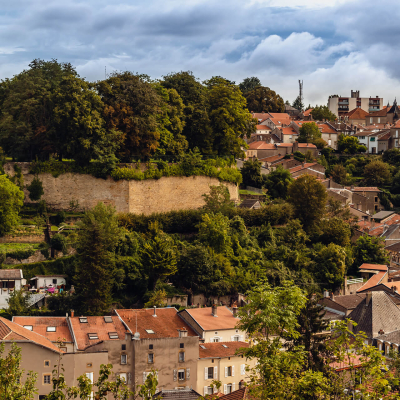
[340,105]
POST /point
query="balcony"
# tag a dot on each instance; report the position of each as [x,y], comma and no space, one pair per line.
[373,109]
[344,102]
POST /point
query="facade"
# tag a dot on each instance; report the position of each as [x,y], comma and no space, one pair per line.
[340,105]
[388,115]
[220,361]
[214,324]
[314,169]
[357,116]
[10,280]
[45,281]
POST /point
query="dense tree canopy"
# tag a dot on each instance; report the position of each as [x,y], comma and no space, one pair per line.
[322,113]
[249,84]
[263,99]
[309,132]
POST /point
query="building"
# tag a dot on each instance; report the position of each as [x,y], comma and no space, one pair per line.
[214,324]
[388,115]
[48,281]
[340,105]
[314,169]
[223,362]
[10,280]
[357,116]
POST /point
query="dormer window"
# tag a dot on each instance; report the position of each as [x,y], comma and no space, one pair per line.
[51,329]
[83,320]
[29,327]
[108,319]
[93,336]
[113,335]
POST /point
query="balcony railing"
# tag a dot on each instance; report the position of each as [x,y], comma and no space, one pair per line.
[344,102]
[356,280]
[373,109]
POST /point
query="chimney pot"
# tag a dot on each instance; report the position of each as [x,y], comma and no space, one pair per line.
[235,310]
[72,313]
[214,310]
[155,313]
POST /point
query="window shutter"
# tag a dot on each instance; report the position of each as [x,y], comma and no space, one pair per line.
[205,390]
[187,373]
[129,378]
[232,338]
[233,387]
[144,377]
[225,388]
[157,375]
[175,375]
[215,372]
[226,372]
[215,389]
[233,370]
[205,373]
[241,338]
[242,369]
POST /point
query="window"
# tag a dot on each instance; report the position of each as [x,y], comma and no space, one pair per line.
[379,120]
[376,199]
[90,376]
[150,347]
[55,281]
[214,340]
[5,284]
[181,356]
[29,327]
[212,361]
[89,365]
[93,336]
[229,388]
[108,319]
[372,139]
[123,358]
[83,320]
[113,335]
[64,349]
[225,346]
[203,347]
[181,374]
[208,390]
[182,345]
[51,329]
[236,338]
[229,371]
[122,376]
[149,330]
[210,373]
[123,347]
[150,358]
[397,133]
[46,363]
[46,379]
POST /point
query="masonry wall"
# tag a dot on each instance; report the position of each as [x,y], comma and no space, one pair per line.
[147,196]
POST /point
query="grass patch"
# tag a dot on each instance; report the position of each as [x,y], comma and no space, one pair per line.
[250,192]
[11,247]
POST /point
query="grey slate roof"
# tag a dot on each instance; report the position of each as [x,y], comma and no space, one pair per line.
[15,274]
[249,203]
[382,215]
[392,337]
[380,313]
[182,394]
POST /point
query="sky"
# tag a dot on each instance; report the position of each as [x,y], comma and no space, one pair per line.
[334,46]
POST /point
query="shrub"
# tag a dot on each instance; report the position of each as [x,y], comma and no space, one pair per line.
[60,217]
[35,189]
[59,242]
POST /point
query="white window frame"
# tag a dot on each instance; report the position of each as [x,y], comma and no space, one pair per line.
[124,357]
[90,375]
[123,376]
[181,371]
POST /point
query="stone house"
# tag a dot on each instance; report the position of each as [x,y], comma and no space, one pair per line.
[10,280]
[45,281]
[357,116]
[388,115]
[220,361]
[313,169]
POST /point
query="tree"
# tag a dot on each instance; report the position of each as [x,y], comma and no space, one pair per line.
[371,250]
[298,104]
[391,156]
[229,118]
[339,174]
[249,84]
[11,200]
[18,303]
[350,145]
[35,189]
[309,132]
[277,183]
[214,231]
[251,173]
[263,99]
[334,230]
[377,173]
[131,106]
[219,199]
[308,197]
[12,386]
[322,113]
[395,189]
[97,240]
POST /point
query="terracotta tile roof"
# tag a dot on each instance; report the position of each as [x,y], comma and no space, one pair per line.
[364,189]
[245,393]
[380,313]
[12,331]
[373,267]
[380,113]
[15,274]
[349,301]
[309,145]
[397,124]
[177,394]
[300,123]
[98,326]
[261,116]
[289,131]
[280,118]
[271,158]
[374,127]
[386,136]
[300,167]
[284,144]
[40,324]
[356,361]
[307,112]
[326,128]
[357,113]
[261,145]
[205,318]
[166,324]
[373,281]
[220,349]
[263,128]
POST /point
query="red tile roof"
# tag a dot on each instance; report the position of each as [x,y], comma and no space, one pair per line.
[310,145]
[271,158]
[300,167]
[205,318]
[10,331]
[280,118]
[357,113]
[284,144]
[289,131]
[261,116]
[386,136]
[375,126]
[373,281]
[326,128]
[40,324]
[374,267]
[220,349]
[261,145]
[380,113]
[96,325]
[263,128]
[364,189]
[307,112]
[166,324]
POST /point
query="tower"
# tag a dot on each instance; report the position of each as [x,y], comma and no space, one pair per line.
[301,92]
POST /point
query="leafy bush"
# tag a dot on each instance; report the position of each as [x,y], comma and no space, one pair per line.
[59,242]
[60,217]
[21,254]
[35,189]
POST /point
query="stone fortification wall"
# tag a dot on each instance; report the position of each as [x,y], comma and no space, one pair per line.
[147,196]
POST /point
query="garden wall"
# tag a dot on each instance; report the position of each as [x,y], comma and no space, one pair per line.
[146,196]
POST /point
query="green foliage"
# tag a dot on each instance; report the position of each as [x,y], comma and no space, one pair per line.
[18,303]
[308,198]
[59,242]
[219,199]
[322,113]
[60,217]
[251,173]
[339,174]
[249,84]
[35,189]
[14,384]
[309,132]
[263,99]
[214,232]
[298,104]
[350,145]
[11,200]
[377,173]
[391,156]
[371,250]
[277,183]
[157,299]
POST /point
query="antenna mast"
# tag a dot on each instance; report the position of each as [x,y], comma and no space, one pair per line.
[301,91]
[105,72]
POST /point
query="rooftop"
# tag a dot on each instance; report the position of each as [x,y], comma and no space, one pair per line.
[15,274]
[167,323]
[261,145]
[178,394]
[308,145]
[263,128]
[300,167]
[307,112]
[220,349]
[357,113]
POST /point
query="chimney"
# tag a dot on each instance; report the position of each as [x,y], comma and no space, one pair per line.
[326,294]
[214,310]
[303,163]
[235,310]
[372,223]
[332,297]
[198,305]
[155,313]
[368,298]
[72,313]
[183,332]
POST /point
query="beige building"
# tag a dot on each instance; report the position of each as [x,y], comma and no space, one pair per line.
[214,324]
[10,280]
[219,361]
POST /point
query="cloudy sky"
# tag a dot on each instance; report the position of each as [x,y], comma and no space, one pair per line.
[332,45]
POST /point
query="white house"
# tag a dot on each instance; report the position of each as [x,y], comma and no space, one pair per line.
[45,281]
[10,280]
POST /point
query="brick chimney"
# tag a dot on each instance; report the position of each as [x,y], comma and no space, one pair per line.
[332,296]
[235,310]
[72,313]
[183,332]
[214,310]
[155,312]
[368,298]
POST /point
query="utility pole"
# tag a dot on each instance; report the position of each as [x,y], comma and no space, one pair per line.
[301,92]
